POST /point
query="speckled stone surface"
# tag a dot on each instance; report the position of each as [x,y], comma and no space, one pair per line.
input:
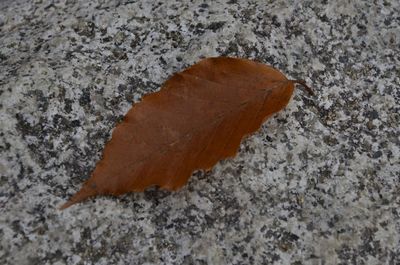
[318,184]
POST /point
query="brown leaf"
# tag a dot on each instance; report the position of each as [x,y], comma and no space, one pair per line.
[198,118]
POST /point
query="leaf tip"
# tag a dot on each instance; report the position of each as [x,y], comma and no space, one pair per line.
[84,193]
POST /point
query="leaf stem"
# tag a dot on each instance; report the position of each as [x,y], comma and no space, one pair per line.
[303,83]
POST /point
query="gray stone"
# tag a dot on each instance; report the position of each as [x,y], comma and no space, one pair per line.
[318,184]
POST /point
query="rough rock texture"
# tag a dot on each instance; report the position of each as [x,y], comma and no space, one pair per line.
[319,184]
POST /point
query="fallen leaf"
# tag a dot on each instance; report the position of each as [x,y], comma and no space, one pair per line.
[199,117]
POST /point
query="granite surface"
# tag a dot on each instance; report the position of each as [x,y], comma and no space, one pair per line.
[318,184]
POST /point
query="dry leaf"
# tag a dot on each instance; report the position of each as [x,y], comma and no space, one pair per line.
[198,118]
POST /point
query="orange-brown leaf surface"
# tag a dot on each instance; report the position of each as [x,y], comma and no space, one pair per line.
[199,117]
